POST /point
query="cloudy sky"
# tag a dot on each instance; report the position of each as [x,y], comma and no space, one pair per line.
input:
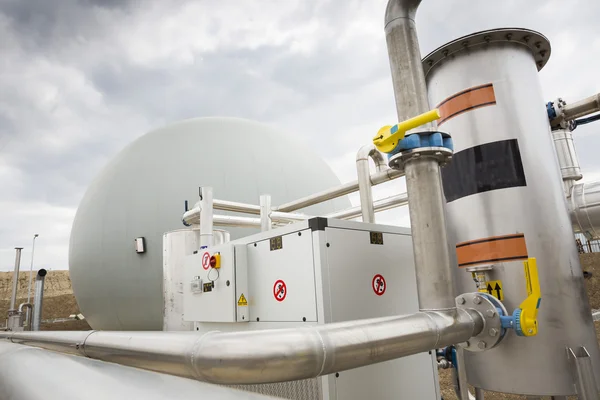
[81,79]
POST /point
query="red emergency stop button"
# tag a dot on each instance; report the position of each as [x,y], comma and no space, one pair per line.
[215,261]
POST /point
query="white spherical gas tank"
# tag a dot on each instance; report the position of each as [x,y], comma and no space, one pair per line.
[141,193]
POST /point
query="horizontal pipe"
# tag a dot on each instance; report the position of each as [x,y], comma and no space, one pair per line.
[230,220]
[268,356]
[27,373]
[582,108]
[379,205]
[338,191]
[233,206]
[279,216]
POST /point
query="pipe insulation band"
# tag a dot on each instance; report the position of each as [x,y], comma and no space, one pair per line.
[267,356]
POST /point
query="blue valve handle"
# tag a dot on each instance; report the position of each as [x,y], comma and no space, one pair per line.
[417,140]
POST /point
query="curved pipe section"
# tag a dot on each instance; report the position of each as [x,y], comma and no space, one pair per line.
[364,178]
[27,322]
[27,373]
[269,356]
[584,207]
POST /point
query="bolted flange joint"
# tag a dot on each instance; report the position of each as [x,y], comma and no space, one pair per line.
[490,335]
[435,144]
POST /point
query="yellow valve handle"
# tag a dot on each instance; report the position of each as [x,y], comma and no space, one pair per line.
[529,307]
[388,137]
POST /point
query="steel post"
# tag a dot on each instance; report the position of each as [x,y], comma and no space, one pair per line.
[31,268]
[583,373]
[13,297]
[265,212]
[206,217]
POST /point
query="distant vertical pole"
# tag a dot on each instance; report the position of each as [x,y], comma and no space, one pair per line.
[31,269]
[13,298]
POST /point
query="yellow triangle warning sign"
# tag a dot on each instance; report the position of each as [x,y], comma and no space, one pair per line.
[242,301]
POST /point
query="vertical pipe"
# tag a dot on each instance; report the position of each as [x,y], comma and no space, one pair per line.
[410,89]
[13,297]
[206,217]
[31,268]
[38,299]
[479,394]
[425,200]
[221,236]
[364,179]
[265,212]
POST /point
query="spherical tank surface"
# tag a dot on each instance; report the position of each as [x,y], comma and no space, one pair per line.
[141,193]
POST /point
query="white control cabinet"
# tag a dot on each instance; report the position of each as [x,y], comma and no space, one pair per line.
[315,272]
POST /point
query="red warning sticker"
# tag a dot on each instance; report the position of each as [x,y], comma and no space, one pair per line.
[206,260]
[378,285]
[279,290]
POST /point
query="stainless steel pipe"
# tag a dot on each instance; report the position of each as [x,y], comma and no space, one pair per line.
[13,297]
[582,108]
[364,178]
[27,373]
[410,89]
[231,220]
[265,212]
[435,281]
[567,158]
[584,207]
[277,355]
[38,299]
[379,205]
[233,206]
[206,217]
[28,315]
[338,191]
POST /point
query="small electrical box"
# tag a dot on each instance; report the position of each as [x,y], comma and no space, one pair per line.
[140,245]
[215,286]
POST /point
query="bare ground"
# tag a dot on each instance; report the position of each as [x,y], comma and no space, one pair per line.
[59,302]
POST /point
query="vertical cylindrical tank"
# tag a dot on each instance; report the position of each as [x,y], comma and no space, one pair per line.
[505,203]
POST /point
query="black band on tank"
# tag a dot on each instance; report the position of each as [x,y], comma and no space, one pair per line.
[479,169]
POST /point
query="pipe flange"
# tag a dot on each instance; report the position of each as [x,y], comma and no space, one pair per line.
[442,154]
[491,334]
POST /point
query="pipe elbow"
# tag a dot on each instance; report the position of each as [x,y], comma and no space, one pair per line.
[370,151]
[401,9]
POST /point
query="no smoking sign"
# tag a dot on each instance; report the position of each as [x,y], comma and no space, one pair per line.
[378,284]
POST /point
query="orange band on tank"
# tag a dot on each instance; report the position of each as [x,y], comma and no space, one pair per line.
[467,100]
[491,249]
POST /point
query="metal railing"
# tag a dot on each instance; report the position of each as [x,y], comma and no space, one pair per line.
[586,246]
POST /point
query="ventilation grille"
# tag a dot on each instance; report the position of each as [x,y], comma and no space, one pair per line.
[308,389]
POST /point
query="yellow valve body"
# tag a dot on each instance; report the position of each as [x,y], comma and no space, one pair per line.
[387,138]
[529,307]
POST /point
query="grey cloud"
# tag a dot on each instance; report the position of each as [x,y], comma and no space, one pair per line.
[334,96]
